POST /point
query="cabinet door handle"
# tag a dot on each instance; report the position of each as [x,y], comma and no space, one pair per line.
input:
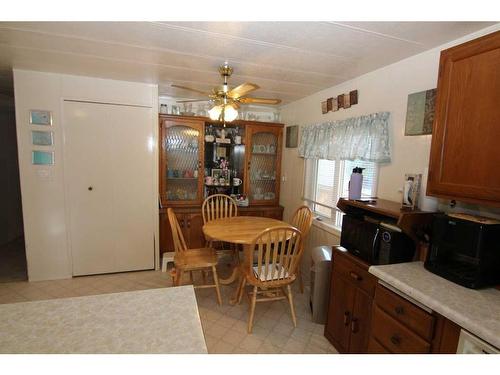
[189,223]
[399,310]
[346,318]
[182,223]
[396,340]
[248,166]
[354,325]
[355,276]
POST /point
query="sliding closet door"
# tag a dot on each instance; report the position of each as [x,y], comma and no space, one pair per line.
[109,177]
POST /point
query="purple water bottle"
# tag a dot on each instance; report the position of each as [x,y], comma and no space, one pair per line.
[356,183]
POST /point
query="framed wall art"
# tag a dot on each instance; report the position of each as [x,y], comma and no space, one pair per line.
[292,136]
[420,112]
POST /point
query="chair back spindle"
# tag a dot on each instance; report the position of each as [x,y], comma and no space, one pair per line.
[218,206]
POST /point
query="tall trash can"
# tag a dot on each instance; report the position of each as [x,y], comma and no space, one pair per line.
[320,282]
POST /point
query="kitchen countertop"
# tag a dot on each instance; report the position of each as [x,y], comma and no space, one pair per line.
[162,320]
[477,311]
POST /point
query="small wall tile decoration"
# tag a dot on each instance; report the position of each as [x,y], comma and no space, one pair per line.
[42,157]
[40,117]
[41,138]
[340,101]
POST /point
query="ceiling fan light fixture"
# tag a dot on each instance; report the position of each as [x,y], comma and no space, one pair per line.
[215,112]
[230,113]
[223,112]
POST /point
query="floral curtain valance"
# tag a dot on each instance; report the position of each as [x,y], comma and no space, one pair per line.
[362,138]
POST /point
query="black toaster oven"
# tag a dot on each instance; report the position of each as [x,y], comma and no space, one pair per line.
[465,250]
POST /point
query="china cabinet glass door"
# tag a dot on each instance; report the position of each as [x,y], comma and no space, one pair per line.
[181,172]
[263,164]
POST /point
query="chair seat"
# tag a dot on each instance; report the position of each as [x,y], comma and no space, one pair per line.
[272,273]
[196,258]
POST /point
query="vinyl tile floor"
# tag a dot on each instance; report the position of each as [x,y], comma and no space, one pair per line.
[225,327]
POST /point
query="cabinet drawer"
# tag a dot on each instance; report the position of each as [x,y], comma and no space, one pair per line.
[374,347]
[359,277]
[412,316]
[395,336]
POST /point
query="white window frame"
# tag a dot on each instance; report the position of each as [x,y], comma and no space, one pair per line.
[336,214]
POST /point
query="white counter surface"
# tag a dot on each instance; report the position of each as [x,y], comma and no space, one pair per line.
[477,311]
[162,320]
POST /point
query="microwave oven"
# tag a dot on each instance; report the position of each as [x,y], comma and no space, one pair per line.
[375,241]
[465,250]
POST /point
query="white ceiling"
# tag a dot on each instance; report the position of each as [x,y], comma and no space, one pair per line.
[288,60]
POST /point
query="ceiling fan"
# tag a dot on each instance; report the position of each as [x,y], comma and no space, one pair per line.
[226,102]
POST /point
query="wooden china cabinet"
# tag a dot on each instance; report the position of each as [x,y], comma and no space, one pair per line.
[191,149]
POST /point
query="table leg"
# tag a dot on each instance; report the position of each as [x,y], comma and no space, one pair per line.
[231,279]
[234,298]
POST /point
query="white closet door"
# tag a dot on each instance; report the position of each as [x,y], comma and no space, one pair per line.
[108,174]
[132,161]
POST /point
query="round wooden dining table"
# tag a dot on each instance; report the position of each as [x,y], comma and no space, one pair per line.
[240,230]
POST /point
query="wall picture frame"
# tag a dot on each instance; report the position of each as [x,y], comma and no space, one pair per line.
[340,101]
[292,136]
[420,112]
[40,117]
[324,107]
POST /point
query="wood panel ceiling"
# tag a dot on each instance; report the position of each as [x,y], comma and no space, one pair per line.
[289,60]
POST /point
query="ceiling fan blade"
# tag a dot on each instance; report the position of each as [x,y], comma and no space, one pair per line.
[242,90]
[259,101]
[190,89]
[192,100]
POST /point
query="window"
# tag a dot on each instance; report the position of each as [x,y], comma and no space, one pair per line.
[328,180]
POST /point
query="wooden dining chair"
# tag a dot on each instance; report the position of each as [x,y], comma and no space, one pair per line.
[277,251]
[189,260]
[302,220]
[219,206]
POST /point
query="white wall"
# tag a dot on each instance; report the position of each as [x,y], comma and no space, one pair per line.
[385,89]
[42,187]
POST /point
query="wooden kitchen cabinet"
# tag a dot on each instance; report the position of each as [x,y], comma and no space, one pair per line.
[400,326]
[464,155]
[349,310]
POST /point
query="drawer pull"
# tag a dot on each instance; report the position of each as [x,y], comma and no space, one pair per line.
[396,340]
[346,318]
[399,310]
[355,276]
[354,325]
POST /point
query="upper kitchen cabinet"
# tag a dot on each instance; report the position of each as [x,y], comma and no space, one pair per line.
[465,157]
[181,176]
